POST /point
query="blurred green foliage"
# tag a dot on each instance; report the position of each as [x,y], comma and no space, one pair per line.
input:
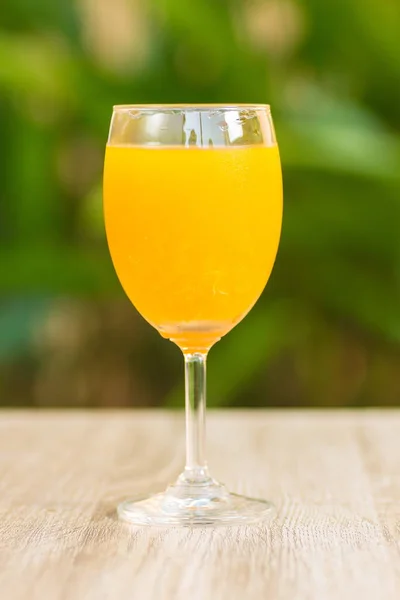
[327,330]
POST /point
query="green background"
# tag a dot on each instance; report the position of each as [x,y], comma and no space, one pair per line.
[326,332]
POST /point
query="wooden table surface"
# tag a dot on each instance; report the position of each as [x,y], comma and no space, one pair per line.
[334,476]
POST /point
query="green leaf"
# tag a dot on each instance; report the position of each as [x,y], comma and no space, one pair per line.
[56,270]
[36,67]
[18,319]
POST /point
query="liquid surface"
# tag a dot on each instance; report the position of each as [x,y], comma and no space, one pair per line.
[193,233]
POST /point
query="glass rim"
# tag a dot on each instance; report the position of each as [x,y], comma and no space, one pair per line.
[190,106]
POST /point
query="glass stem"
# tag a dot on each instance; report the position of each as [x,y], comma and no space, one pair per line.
[196,471]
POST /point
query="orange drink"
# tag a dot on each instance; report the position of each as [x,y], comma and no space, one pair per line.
[193,233]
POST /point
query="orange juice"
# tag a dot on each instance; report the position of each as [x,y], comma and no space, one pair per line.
[193,234]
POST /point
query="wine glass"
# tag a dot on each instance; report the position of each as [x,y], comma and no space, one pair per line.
[193,212]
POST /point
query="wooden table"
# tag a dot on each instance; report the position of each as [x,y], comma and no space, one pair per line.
[334,476]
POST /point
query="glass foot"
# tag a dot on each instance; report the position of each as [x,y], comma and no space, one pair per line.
[194,504]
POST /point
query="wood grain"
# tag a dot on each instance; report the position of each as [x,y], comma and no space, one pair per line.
[334,476]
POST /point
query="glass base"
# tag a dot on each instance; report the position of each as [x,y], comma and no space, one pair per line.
[188,503]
